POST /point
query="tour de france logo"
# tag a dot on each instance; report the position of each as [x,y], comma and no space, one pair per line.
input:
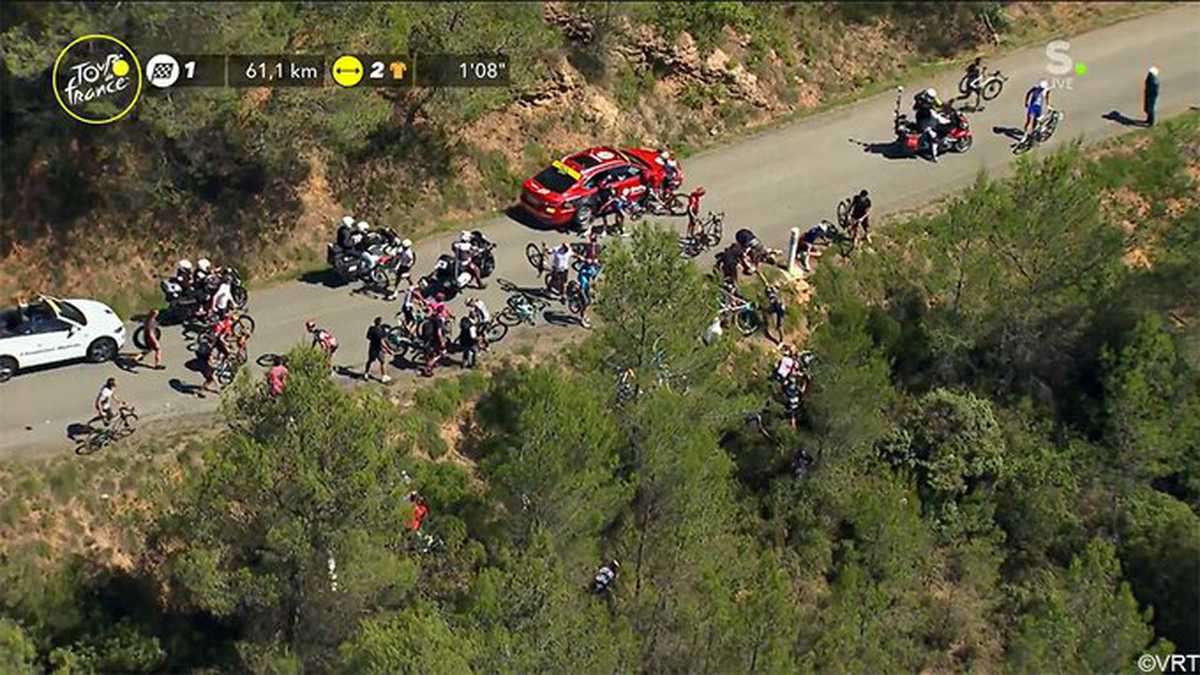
[97,79]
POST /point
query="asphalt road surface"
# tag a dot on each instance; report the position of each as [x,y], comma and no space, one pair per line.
[786,176]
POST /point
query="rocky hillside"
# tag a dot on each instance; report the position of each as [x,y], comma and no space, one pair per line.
[256,176]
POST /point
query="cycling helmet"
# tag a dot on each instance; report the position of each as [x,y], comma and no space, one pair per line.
[1044,84]
[807,359]
[362,226]
[348,221]
[931,93]
[203,265]
[184,265]
[464,236]
[310,325]
[1154,70]
[863,193]
[407,243]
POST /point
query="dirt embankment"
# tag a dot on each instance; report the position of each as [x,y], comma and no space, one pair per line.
[624,78]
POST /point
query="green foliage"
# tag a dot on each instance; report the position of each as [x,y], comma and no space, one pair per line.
[705,21]
[417,641]
[17,651]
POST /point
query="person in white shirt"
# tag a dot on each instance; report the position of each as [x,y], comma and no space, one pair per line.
[104,402]
[560,264]
[222,299]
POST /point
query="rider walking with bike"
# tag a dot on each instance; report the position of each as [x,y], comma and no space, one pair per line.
[860,217]
[103,404]
[323,340]
[1037,101]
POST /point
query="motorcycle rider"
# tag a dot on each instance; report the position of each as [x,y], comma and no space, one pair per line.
[406,257]
[1037,100]
[929,121]
[345,233]
[464,258]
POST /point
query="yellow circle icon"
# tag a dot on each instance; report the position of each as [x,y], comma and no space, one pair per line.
[347,70]
[120,69]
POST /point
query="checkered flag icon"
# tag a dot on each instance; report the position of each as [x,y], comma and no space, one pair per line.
[162,71]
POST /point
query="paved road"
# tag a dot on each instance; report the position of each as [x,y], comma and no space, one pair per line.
[783,177]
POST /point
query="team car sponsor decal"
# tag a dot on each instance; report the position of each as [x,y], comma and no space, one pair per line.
[566,169]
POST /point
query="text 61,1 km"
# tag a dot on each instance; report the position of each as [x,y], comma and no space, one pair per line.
[296,71]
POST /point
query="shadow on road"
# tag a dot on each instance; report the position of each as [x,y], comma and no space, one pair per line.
[76,430]
[1118,117]
[327,278]
[887,149]
[184,387]
[558,318]
[1011,132]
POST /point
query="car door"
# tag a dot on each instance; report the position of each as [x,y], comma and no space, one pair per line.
[631,180]
[56,339]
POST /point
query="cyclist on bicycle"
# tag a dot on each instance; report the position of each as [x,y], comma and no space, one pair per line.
[1037,101]
[560,265]
[413,304]
[104,402]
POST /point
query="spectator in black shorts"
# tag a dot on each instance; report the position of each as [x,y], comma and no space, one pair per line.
[860,217]
[468,340]
[775,308]
[377,350]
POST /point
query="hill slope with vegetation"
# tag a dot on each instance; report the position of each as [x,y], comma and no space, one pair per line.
[1004,422]
[256,177]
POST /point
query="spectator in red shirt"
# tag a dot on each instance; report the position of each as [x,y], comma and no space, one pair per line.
[420,510]
[277,377]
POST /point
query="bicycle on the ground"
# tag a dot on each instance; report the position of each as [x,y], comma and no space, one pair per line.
[1043,129]
[123,424]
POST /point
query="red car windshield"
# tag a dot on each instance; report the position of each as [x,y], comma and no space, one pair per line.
[554,179]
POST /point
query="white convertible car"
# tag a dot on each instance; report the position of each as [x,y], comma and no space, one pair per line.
[53,330]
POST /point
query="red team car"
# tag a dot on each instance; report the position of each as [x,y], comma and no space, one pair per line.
[565,191]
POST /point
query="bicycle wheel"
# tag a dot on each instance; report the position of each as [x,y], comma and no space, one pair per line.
[240,297]
[1050,126]
[395,338]
[93,443]
[225,373]
[964,85]
[380,279]
[139,336]
[575,302]
[964,144]
[677,205]
[1023,145]
[495,331]
[244,326]
[843,214]
[533,253]
[992,88]
[747,320]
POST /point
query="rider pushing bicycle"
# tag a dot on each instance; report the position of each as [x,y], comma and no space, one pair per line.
[1037,101]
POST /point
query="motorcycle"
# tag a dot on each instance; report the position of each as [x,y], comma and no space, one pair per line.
[447,277]
[376,267]
[957,136]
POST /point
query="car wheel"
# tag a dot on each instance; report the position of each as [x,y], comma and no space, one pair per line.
[104,349]
[583,215]
[8,368]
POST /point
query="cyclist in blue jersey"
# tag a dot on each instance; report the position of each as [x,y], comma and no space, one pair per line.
[587,273]
[1037,100]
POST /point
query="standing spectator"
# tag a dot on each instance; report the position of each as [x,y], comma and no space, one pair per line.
[277,377]
[482,317]
[1150,95]
[222,299]
[777,309]
[434,336]
[860,217]
[376,350]
[468,339]
[150,335]
[560,266]
[714,331]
